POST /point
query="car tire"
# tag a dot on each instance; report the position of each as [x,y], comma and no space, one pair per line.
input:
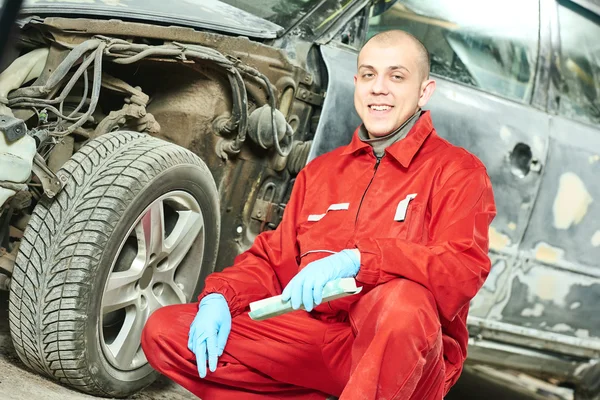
[135,228]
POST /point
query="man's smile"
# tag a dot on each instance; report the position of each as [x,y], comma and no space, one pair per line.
[379,109]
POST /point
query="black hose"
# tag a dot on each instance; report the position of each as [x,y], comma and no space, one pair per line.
[85,93]
[58,74]
[66,90]
[97,84]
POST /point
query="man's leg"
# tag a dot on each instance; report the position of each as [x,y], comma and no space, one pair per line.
[397,352]
[278,358]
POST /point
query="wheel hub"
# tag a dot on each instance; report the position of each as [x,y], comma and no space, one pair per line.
[148,273]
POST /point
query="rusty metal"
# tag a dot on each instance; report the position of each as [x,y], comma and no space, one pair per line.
[266,210]
[310,97]
[133,116]
[51,184]
[7,262]
[136,95]
[61,153]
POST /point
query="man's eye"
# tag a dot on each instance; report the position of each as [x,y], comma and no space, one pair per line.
[367,75]
[397,77]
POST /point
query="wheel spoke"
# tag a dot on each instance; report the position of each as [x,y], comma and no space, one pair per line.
[185,232]
[120,290]
[150,232]
[127,343]
[177,296]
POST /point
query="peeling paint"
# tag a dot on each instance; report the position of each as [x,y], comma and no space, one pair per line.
[536,311]
[571,202]
[548,254]
[546,287]
[561,328]
[582,333]
[505,134]
[575,305]
[594,159]
[546,284]
[596,239]
[498,241]
[512,226]
[538,144]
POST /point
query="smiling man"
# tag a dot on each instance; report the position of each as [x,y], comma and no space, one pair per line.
[402,211]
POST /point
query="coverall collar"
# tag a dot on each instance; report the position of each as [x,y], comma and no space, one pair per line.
[404,150]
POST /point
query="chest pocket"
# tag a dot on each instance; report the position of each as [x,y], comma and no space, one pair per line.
[327,230]
[412,227]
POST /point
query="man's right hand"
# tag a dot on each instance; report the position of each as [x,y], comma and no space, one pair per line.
[209,332]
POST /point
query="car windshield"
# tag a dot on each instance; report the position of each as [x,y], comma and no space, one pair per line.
[479,44]
[284,13]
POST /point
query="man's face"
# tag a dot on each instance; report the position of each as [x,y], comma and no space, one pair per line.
[388,86]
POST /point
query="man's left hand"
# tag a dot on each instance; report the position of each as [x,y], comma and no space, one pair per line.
[307,286]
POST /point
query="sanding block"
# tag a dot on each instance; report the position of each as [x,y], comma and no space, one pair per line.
[273,306]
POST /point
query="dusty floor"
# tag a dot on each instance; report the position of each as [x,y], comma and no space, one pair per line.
[17,383]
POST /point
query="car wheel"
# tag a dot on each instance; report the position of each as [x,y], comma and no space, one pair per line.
[136,228]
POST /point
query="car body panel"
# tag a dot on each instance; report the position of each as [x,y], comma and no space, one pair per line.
[338,117]
[543,288]
[205,14]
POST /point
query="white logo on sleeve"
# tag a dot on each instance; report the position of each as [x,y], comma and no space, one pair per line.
[403,206]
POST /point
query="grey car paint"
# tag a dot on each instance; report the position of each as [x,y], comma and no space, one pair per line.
[207,14]
[338,116]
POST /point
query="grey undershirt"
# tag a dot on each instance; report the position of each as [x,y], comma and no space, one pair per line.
[380,144]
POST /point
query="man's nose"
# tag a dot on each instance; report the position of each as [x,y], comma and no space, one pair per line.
[380,85]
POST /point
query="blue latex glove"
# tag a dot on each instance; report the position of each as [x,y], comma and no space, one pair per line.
[307,286]
[209,331]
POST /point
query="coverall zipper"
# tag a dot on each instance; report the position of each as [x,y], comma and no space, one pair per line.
[367,189]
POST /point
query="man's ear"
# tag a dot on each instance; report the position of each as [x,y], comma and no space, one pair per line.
[427,89]
[355,79]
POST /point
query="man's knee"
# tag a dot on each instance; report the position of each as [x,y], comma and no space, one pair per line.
[152,335]
[166,331]
[400,308]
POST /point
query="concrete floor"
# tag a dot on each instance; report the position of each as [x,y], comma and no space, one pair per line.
[18,383]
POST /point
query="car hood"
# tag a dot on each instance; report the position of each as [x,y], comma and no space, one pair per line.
[204,14]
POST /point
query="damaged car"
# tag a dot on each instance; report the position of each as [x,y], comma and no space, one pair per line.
[146,144]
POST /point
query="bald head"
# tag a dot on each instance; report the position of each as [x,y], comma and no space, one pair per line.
[402,39]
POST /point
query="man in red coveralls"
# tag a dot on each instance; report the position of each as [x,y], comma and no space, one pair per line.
[400,209]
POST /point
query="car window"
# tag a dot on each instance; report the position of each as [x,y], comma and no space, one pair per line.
[489,45]
[579,63]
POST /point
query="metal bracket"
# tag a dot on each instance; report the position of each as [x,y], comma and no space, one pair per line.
[266,211]
[309,97]
[270,214]
[13,128]
[50,182]
[307,79]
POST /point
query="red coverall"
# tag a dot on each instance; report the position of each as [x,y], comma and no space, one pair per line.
[404,336]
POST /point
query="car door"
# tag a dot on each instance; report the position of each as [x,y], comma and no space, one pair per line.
[483,57]
[560,287]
